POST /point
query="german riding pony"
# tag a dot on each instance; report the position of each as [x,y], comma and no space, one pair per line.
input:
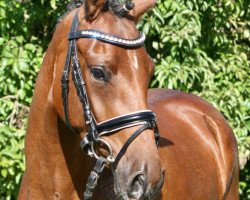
[95,131]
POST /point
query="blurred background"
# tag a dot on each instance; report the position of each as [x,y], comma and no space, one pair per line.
[200,47]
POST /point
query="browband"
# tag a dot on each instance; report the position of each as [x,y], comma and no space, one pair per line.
[109,38]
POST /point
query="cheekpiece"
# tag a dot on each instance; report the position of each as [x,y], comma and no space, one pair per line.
[109,38]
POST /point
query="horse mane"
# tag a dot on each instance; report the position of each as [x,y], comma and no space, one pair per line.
[71,6]
[115,5]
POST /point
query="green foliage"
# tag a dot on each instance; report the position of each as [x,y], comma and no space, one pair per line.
[12,160]
[26,29]
[31,19]
[202,47]
[245,182]
[19,66]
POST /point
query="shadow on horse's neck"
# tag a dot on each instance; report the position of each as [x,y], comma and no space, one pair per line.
[79,164]
[60,165]
[55,148]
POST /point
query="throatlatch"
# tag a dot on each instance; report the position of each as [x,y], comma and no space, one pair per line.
[146,119]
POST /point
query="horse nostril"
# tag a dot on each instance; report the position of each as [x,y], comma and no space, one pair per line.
[137,187]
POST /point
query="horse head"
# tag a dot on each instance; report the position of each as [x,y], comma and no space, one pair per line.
[105,93]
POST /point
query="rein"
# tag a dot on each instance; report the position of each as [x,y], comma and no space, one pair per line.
[145,118]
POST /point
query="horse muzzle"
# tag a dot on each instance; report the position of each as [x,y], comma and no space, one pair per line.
[139,187]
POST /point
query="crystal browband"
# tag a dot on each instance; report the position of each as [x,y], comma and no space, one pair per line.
[112,39]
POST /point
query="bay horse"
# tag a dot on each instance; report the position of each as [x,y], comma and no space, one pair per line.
[92,94]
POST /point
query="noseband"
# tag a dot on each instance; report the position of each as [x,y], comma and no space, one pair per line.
[145,118]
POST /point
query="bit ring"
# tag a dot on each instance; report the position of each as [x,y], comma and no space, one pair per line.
[110,158]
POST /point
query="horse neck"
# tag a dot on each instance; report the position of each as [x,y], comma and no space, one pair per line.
[54,159]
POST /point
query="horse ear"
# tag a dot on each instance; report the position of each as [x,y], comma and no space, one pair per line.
[141,6]
[93,8]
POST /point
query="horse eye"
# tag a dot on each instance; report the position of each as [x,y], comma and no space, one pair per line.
[99,73]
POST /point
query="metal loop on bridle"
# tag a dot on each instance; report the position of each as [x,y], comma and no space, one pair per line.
[110,158]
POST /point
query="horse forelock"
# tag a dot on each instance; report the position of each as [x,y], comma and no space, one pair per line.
[115,5]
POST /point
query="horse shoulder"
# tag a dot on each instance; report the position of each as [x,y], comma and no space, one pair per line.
[188,122]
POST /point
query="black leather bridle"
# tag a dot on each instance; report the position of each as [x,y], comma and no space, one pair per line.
[145,118]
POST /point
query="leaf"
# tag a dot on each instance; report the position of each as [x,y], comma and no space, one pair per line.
[23,65]
[1,41]
[22,94]
[157,13]
[246,33]
[4,173]
[53,4]
[6,53]
[20,39]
